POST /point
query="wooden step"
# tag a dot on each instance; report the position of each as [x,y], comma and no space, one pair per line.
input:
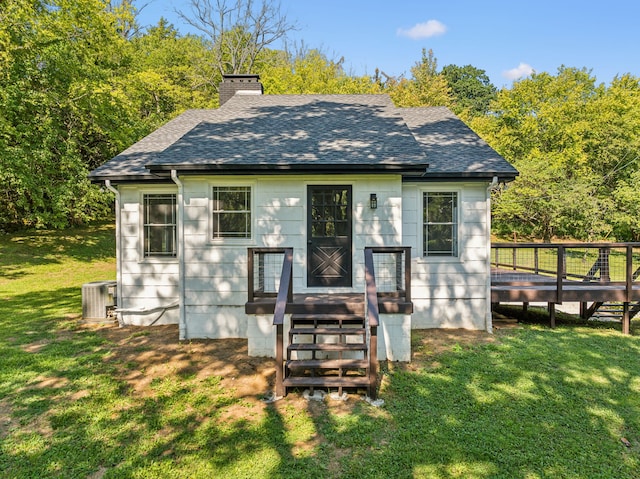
[327,363]
[327,347]
[326,381]
[328,331]
[327,319]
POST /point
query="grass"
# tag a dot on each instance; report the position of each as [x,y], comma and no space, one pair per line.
[525,403]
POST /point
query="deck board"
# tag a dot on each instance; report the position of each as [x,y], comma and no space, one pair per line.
[515,286]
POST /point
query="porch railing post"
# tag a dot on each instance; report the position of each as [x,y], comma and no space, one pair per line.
[279,360]
[407,273]
[560,273]
[629,273]
[250,286]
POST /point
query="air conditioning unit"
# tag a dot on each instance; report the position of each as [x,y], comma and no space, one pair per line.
[99,300]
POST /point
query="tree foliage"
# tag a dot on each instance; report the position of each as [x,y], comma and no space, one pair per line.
[80,81]
[56,111]
[471,90]
[576,144]
[426,88]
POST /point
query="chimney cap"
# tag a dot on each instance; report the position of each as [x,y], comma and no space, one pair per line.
[240,76]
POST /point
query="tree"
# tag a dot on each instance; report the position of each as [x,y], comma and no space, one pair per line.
[426,88]
[164,79]
[539,125]
[57,115]
[310,72]
[238,31]
[471,89]
[576,144]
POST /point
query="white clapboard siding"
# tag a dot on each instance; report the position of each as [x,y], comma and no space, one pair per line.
[450,292]
[447,292]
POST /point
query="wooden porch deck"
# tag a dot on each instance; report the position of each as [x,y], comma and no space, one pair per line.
[603,274]
[523,287]
[308,303]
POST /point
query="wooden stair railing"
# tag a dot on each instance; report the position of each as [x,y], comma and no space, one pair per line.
[285,294]
[336,347]
[373,320]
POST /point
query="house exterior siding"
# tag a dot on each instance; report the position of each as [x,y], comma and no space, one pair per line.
[148,286]
[447,292]
[450,292]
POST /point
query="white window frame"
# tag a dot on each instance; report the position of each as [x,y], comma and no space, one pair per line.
[230,240]
[162,258]
[456,257]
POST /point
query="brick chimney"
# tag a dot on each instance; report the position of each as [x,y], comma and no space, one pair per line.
[239,84]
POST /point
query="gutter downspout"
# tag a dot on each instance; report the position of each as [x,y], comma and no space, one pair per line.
[488,320]
[116,192]
[181,267]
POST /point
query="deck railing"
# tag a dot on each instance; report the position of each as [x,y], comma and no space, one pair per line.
[573,272]
[393,270]
[603,263]
[264,271]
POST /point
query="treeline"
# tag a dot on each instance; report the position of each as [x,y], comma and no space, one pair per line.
[80,81]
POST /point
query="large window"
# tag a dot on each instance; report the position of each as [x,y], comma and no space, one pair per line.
[440,224]
[159,225]
[232,212]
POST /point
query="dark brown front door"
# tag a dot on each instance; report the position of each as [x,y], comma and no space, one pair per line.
[329,235]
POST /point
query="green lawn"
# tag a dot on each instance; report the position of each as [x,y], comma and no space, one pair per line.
[525,403]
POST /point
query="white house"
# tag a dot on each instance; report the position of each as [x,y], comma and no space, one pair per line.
[326,175]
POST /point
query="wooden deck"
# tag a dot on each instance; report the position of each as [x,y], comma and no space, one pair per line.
[329,304]
[522,287]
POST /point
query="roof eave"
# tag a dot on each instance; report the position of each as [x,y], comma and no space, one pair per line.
[503,177]
[244,169]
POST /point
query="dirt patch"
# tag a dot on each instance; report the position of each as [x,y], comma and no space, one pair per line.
[146,355]
[149,354]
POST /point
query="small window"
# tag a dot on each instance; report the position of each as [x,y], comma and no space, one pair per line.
[440,213]
[232,212]
[160,225]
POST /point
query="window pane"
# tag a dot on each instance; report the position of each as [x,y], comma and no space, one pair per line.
[232,212]
[440,227]
[440,240]
[233,225]
[159,225]
[440,208]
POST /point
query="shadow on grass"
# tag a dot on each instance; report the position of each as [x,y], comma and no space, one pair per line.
[41,247]
[540,316]
[535,402]
[538,403]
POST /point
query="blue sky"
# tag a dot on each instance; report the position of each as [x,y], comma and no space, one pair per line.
[506,38]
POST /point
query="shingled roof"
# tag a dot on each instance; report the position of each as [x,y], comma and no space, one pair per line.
[310,133]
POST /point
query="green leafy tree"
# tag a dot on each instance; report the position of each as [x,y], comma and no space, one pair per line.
[164,78]
[310,72]
[57,115]
[540,125]
[471,89]
[427,87]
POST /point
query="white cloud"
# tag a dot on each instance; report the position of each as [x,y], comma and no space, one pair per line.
[522,70]
[430,28]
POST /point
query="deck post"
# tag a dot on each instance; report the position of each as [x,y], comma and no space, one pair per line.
[552,315]
[629,273]
[560,274]
[250,266]
[626,318]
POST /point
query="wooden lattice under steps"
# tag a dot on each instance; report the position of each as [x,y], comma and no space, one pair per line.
[327,351]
